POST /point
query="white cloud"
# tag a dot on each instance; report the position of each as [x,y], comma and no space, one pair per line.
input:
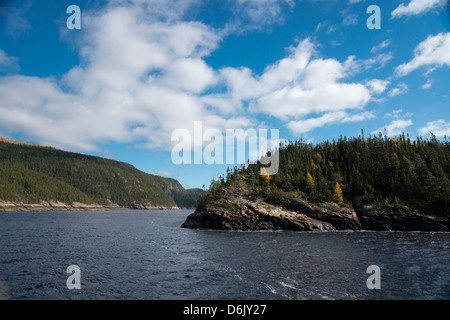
[358,117]
[256,14]
[167,10]
[303,126]
[395,128]
[15,19]
[377,86]
[386,43]
[354,65]
[349,18]
[402,88]
[398,114]
[433,52]
[439,128]
[298,85]
[415,7]
[380,60]
[140,79]
[427,85]
[181,73]
[7,63]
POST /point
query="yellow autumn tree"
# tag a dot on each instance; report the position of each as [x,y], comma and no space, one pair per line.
[337,194]
[266,176]
[309,180]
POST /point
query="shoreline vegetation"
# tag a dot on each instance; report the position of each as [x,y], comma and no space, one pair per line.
[378,183]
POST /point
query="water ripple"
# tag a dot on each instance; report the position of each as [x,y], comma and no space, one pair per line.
[146,255]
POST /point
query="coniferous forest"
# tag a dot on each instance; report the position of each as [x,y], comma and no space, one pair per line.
[395,171]
[31,173]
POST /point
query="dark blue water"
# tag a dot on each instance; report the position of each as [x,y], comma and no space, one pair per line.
[146,255]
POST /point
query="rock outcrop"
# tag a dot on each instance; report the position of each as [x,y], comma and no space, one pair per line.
[243,213]
[389,218]
[340,216]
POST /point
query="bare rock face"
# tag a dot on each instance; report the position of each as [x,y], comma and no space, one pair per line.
[341,217]
[240,214]
[385,218]
[243,213]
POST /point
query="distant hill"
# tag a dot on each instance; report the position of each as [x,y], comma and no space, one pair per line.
[31,173]
[195,193]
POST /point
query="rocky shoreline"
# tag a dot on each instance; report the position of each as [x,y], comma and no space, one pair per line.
[239,213]
[76,206]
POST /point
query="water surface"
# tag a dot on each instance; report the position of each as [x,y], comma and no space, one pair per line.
[146,255]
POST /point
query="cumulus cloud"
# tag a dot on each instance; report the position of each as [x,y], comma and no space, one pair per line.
[395,128]
[298,85]
[439,128]
[138,81]
[399,123]
[415,7]
[143,74]
[433,52]
[377,86]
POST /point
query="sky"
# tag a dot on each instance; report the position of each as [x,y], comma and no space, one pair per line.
[138,77]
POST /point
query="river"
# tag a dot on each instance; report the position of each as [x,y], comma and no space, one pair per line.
[135,254]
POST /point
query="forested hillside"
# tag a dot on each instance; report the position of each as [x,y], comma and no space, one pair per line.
[391,171]
[30,173]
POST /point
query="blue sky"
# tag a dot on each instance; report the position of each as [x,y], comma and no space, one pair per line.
[138,70]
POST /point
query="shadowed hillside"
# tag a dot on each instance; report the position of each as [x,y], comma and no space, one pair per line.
[30,173]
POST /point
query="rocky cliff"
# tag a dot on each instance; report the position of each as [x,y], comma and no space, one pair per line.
[245,213]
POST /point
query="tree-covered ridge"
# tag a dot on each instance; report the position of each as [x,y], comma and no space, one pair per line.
[394,171]
[20,184]
[31,174]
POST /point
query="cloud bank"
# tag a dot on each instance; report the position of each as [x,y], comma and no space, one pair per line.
[143,74]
